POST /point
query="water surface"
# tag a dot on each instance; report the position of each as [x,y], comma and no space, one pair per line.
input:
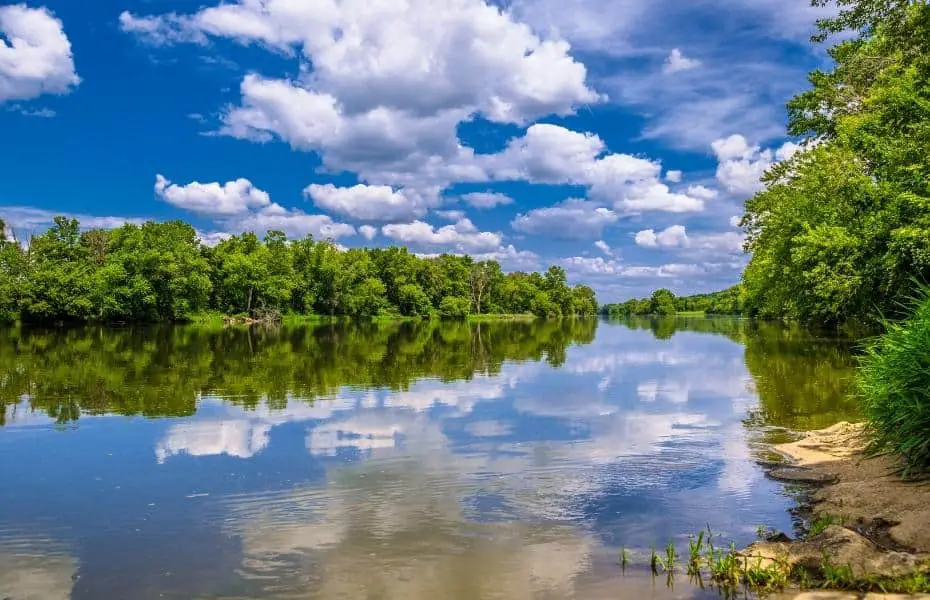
[383,461]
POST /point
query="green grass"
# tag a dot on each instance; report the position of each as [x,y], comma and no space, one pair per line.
[822,521]
[894,387]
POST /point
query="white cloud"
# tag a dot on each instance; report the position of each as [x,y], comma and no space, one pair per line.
[572,219]
[741,165]
[512,259]
[422,55]
[556,155]
[673,176]
[727,242]
[676,236]
[35,54]
[671,237]
[704,193]
[508,256]
[735,221]
[451,215]
[486,199]
[462,236]
[604,247]
[367,202]
[368,232]
[294,223]
[677,61]
[390,81]
[212,238]
[231,198]
[584,266]
[159,30]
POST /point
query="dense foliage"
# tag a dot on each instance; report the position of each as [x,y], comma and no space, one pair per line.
[161,272]
[895,386]
[664,302]
[163,370]
[842,230]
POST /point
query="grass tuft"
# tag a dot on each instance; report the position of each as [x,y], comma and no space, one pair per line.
[894,387]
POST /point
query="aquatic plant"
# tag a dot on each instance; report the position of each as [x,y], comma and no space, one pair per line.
[894,387]
[654,562]
[671,556]
[695,543]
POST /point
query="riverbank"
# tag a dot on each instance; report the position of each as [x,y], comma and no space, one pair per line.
[869,528]
[299,319]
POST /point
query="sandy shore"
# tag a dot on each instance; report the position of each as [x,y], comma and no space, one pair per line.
[880,524]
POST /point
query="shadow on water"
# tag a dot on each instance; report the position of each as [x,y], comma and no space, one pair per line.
[392,460]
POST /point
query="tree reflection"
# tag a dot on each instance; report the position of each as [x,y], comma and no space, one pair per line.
[803,377]
[162,371]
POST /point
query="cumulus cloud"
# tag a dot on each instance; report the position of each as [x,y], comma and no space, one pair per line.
[368,232]
[372,55]
[555,155]
[231,198]
[671,237]
[367,202]
[677,61]
[462,236]
[35,54]
[676,236]
[486,199]
[673,176]
[572,219]
[390,82]
[741,165]
[702,192]
[240,206]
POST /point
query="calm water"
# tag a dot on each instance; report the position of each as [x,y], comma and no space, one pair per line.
[401,461]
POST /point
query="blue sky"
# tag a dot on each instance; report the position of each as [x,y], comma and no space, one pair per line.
[617,139]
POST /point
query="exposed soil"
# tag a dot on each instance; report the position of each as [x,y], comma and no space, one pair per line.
[881,523]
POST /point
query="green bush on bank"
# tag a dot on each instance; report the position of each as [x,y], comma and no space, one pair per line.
[894,383]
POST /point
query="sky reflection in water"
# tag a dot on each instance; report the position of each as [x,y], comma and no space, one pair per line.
[395,461]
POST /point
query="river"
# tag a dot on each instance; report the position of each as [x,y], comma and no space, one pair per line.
[393,460]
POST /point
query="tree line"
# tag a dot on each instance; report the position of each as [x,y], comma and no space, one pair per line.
[161,272]
[664,302]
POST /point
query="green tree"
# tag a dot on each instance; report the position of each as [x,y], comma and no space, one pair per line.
[842,231]
[59,276]
[662,302]
[12,275]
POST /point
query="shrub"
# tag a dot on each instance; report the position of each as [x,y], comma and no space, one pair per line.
[894,383]
[454,307]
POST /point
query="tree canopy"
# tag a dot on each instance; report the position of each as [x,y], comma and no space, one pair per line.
[842,230]
[160,272]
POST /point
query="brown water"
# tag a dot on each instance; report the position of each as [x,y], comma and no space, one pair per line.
[506,460]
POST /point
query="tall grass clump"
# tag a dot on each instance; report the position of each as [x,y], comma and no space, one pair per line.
[894,384]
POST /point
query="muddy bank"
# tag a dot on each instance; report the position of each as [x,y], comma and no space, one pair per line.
[868,525]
